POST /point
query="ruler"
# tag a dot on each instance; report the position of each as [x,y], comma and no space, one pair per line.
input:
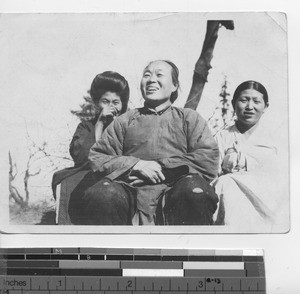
[130,271]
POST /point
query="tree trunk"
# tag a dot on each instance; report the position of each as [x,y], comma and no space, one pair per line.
[13,191]
[203,64]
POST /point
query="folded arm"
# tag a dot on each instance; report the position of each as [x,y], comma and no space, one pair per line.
[106,155]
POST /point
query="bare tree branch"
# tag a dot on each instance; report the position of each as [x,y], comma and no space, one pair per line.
[14,193]
[203,64]
[35,174]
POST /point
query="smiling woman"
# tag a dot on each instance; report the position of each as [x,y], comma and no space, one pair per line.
[250,101]
[156,83]
[247,165]
[157,162]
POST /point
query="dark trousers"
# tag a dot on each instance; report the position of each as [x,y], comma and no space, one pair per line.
[190,201]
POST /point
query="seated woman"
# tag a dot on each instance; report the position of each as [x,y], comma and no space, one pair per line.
[247,164]
[110,93]
[152,165]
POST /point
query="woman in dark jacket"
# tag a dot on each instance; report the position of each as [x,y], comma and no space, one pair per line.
[110,93]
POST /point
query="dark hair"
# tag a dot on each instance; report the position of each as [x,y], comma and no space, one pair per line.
[250,85]
[175,77]
[113,82]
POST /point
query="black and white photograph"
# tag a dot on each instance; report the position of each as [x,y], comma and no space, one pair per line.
[144,123]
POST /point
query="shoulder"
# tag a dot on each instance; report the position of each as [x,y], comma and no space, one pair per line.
[188,114]
[227,135]
[127,116]
[121,122]
[227,131]
[263,135]
[86,125]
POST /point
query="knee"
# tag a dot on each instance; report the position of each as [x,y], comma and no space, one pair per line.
[224,181]
[197,190]
[192,201]
[105,193]
[195,186]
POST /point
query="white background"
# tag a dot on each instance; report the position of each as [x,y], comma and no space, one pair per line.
[282,251]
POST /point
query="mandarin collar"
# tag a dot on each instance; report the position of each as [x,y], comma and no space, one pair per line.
[148,110]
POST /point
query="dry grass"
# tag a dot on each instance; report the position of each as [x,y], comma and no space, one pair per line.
[41,213]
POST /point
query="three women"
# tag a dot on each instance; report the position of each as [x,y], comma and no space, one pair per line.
[142,154]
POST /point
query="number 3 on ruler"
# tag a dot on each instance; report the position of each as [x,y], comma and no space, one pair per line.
[200,284]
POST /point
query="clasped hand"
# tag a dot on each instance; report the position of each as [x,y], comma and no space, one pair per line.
[233,161]
[105,117]
[146,172]
[108,113]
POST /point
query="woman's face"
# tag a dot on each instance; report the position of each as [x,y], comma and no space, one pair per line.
[156,83]
[249,107]
[110,99]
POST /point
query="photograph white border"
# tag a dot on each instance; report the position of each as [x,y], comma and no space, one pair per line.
[282,252]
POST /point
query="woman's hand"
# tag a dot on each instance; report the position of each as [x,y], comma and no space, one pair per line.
[107,114]
[105,117]
[146,172]
[234,161]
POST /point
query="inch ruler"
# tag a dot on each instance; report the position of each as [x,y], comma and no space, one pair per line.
[130,271]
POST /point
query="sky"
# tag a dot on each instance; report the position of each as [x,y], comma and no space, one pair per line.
[48,62]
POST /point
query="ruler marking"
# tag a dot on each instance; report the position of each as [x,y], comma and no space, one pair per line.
[37,281]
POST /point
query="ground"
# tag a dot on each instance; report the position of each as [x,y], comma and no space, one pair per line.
[42,213]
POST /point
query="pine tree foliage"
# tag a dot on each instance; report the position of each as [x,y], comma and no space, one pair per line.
[223,114]
[88,110]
